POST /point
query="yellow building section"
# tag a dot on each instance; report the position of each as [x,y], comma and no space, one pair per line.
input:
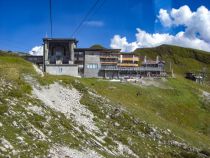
[130,59]
[127,65]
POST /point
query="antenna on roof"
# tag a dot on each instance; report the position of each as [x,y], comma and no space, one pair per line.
[46,35]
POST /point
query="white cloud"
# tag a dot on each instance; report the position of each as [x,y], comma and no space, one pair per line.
[196,33]
[176,17]
[122,43]
[181,16]
[37,50]
[197,24]
[94,23]
[165,18]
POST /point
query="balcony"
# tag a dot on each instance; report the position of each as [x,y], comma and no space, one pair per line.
[108,57]
[139,69]
[108,62]
[130,59]
[127,65]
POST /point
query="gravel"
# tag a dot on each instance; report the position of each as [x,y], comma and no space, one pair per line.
[66,101]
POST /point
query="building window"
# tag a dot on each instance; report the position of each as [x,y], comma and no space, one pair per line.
[92,66]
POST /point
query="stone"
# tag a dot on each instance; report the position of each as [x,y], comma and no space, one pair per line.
[136,121]
[6,144]
[14,152]
[107,116]
[116,113]
[116,124]
[14,123]
[2,149]
[21,140]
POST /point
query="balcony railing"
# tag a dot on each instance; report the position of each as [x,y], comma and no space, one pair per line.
[109,62]
[128,64]
[108,57]
[130,59]
[141,69]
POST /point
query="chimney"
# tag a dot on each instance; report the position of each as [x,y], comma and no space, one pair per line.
[157,59]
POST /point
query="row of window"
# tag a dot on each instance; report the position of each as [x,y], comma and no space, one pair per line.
[92,66]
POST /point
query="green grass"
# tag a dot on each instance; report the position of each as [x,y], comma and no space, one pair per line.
[178,108]
[3,109]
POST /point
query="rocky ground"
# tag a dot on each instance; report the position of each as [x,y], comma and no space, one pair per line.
[67,101]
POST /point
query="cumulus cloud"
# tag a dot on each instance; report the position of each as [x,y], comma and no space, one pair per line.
[165,18]
[197,24]
[94,23]
[196,33]
[122,43]
[176,17]
[37,50]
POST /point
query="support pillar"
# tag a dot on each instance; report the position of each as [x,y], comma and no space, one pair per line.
[118,74]
[45,55]
[71,49]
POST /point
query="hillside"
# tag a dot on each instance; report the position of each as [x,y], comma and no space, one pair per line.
[58,116]
[182,59]
[97,46]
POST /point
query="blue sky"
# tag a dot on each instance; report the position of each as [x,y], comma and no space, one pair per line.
[24,23]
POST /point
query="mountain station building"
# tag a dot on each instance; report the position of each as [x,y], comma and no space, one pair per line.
[62,57]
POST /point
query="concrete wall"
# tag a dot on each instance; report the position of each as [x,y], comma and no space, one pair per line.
[91,58]
[70,70]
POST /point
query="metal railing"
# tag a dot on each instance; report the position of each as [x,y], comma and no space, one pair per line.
[115,68]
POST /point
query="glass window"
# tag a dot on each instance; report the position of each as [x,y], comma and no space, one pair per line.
[92,66]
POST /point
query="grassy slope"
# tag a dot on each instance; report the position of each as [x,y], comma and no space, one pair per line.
[182,59]
[12,69]
[179,108]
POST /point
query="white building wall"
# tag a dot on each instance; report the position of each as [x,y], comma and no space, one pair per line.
[69,70]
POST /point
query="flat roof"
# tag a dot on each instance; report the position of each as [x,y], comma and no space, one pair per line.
[60,39]
[97,49]
[33,56]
